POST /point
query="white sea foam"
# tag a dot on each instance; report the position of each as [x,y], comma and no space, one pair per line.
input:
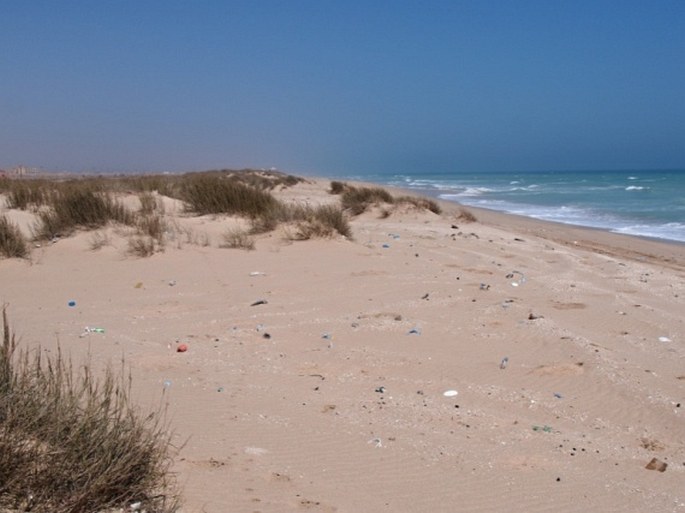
[636,188]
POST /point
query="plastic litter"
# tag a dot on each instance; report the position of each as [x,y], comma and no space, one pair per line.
[414,331]
[380,390]
[503,364]
[172,283]
[257,273]
[71,303]
[484,286]
[182,348]
[376,441]
[167,383]
[545,428]
[87,330]
[450,393]
[326,336]
[386,246]
[665,339]
[260,302]
[520,281]
[558,395]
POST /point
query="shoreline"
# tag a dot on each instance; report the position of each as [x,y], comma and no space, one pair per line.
[639,248]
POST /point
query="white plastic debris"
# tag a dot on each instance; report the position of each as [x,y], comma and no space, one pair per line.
[450,393]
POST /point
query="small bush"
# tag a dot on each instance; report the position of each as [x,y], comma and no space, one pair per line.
[144,246]
[71,443]
[466,216]
[238,239]
[99,240]
[153,226]
[333,217]
[338,187]
[25,194]
[12,242]
[79,206]
[358,199]
[148,203]
[216,194]
[421,203]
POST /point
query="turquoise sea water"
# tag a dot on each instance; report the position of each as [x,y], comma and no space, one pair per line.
[648,203]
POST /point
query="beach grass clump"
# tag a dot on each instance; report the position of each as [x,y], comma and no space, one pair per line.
[357,200]
[79,206]
[71,442]
[337,188]
[218,194]
[143,246]
[12,242]
[328,221]
[238,239]
[420,203]
[26,194]
[149,203]
[466,216]
[319,221]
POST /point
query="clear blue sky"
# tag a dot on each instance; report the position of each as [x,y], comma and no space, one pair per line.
[324,87]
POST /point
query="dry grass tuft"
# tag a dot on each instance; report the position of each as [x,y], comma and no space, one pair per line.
[72,443]
[466,216]
[78,205]
[99,240]
[218,194]
[143,246]
[12,242]
[238,239]
[420,203]
[26,194]
[338,187]
[357,200]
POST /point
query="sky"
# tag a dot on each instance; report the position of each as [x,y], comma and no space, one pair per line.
[342,87]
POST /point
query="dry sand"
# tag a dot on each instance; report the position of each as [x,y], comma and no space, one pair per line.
[330,397]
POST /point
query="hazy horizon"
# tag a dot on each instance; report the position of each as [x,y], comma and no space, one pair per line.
[342,87]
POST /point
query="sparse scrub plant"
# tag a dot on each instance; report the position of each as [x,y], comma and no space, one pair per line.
[71,442]
[143,246]
[79,206]
[358,199]
[12,242]
[149,203]
[99,240]
[238,239]
[216,194]
[466,216]
[421,203]
[26,194]
[338,187]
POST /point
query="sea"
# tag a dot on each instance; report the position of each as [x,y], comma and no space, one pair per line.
[647,203]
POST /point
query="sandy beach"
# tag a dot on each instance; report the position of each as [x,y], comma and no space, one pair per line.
[428,364]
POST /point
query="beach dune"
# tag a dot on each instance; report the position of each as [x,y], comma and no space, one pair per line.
[315,372]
